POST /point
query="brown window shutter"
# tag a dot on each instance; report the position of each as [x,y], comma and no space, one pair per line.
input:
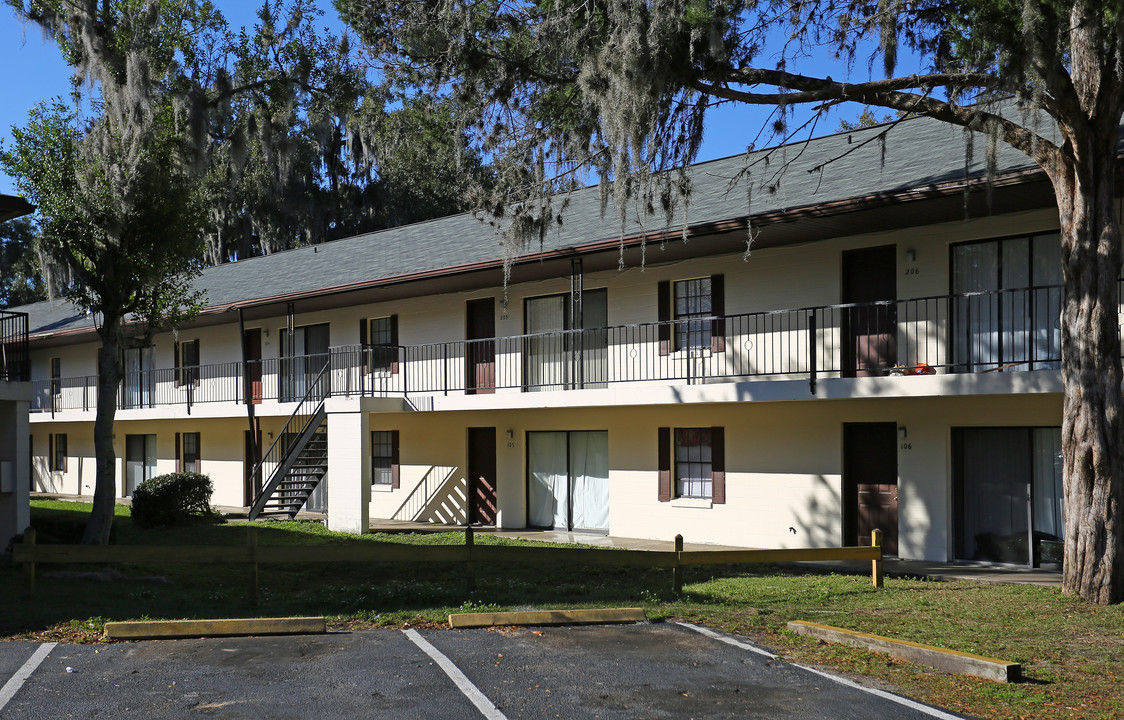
[51,451]
[665,464]
[718,309]
[193,355]
[395,477]
[179,459]
[64,451]
[718,465]
[394,342]
[663,301]
[199,452]
[363,352]
[176,379]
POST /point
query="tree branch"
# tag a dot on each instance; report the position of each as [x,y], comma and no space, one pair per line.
[879,93]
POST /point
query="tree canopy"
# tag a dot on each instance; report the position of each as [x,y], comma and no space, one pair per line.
[565,90]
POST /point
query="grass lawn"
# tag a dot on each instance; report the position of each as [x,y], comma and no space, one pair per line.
[1070,651]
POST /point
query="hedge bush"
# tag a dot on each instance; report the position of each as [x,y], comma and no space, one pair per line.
[171,499]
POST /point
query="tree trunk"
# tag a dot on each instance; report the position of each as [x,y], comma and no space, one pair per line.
[105,459]
[1092,438]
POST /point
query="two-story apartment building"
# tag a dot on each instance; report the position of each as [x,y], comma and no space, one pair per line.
[15,397]
[884,355]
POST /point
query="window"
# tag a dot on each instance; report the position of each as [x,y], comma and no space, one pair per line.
[187,363]
[56,376]
[1008,303]
[379,338]
[692,464]
[1007,494]
[691,315]
[384,458]
[187,452]
[57,452]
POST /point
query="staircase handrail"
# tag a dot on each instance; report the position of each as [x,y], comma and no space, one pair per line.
[308,408]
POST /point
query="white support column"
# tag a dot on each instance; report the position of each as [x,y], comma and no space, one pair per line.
[349,472]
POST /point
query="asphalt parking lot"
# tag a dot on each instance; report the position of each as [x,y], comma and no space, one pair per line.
[662,670]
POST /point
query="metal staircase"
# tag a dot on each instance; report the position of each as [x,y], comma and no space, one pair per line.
[298,459]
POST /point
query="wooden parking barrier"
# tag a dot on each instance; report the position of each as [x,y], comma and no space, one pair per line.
[470,566]
[29,568]
[252,554]
[677,568]
[252,542]
[876,563]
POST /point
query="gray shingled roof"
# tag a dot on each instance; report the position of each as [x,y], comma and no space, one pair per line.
[917,153]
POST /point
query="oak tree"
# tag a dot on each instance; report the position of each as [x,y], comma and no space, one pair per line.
[619,89]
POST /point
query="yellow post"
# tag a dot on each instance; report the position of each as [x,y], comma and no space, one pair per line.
[29,568]
[252,540]
[876,564]
[470,566]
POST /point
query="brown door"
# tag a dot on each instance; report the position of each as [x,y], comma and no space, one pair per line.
[482,475]
[252,455]
[253,365]
[480,350]
[870,484]
[870,331]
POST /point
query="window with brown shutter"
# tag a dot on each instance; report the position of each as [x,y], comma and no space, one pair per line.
[379,340]
[683,308]
[692,464]
[58,452]
[664,464]
[385,469]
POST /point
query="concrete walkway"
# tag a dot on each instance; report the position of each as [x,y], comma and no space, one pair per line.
[892,567]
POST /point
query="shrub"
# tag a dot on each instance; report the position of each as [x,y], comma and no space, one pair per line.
[171,499]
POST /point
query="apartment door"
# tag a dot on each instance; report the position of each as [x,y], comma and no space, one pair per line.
[870,332]
[1007,495]
[140,461]
[253,365]
[140,377]
[302,358]
[555,359]
[480,350]
[482,475]
[870,484]
[1007,304]
[568,480]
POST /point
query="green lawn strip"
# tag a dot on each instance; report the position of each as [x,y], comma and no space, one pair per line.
[1071,652]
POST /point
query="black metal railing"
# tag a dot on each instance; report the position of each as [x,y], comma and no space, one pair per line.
[1017,329]
[15,362]
[290,441]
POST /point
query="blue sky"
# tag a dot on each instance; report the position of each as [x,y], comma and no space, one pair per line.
[36,72]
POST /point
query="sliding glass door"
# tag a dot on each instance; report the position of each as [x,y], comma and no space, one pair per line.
[1007,492]
[568,480]
[1007,307]
[303,356]
[555,359]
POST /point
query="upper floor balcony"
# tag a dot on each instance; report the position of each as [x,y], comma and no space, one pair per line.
[14,357]
[986,332]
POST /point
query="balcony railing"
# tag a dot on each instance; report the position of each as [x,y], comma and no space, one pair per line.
[14,358]
[974,332]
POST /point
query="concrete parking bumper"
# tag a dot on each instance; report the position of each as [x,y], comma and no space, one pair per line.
[156,629]
[548,617]
[939,658]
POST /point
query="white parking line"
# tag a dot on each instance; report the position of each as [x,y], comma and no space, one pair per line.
[728,640]
[912,704]
[16,682]
[482,703]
